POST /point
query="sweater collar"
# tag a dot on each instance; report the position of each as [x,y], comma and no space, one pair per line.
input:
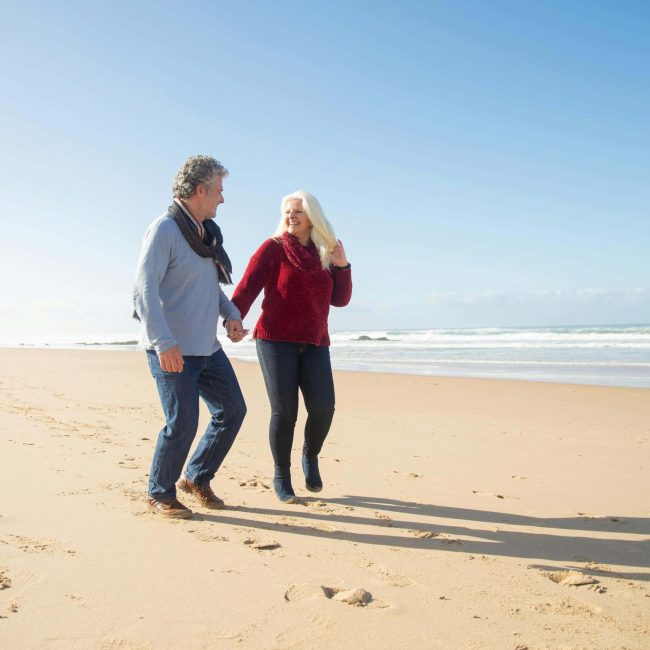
[305,258]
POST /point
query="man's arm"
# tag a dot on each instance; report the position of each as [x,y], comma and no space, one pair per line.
[227,309]
[232,318]
[155,257]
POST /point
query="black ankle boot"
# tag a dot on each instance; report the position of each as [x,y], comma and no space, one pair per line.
[283,488]
[313,481]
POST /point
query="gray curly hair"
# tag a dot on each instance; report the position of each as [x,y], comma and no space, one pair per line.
[196,170]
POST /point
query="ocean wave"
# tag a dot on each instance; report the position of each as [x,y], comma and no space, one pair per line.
[631,337]
[500,362]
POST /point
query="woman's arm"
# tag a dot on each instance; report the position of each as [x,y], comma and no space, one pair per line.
[257,272]
[342,276]
[342,290]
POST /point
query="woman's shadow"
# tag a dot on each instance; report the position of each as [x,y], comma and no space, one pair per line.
[412,525]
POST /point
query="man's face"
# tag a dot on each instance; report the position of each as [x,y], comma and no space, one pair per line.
[212,197]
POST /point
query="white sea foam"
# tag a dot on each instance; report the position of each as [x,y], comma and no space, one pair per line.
[497,338]
[617,356]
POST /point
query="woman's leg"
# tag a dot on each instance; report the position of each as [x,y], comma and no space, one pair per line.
[279,363]
[317,386]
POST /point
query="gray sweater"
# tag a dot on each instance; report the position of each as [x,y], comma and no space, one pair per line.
[177,293]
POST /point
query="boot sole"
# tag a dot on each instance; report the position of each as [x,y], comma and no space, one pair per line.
[293,499]
[174,514]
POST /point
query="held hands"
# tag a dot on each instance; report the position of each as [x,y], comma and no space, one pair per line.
[235,330]
[337,256]
[171,360]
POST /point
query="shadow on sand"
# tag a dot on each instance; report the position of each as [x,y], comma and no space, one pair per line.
[526,542]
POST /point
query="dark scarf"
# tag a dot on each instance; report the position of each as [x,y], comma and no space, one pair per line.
[214,248]
[305,258]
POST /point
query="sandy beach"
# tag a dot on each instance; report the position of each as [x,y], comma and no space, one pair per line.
[474,513]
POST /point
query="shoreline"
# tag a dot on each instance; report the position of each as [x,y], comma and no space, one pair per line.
[342,366]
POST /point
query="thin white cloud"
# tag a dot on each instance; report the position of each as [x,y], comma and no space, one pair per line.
[635,295]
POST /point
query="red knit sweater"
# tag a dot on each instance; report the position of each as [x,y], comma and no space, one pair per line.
[298,292]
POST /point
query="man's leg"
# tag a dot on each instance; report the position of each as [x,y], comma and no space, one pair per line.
[317,386]
[279,363]
[179,396]
[218,386]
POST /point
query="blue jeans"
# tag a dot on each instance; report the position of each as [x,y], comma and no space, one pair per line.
[288,368]
[213,379]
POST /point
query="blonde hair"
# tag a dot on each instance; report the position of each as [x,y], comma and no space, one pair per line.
[322,232]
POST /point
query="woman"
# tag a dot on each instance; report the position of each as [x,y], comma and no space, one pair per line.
[303,270]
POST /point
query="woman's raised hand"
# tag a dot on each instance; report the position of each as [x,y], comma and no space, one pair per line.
[338,256]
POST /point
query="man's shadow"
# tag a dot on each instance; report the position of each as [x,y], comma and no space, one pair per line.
[435,528]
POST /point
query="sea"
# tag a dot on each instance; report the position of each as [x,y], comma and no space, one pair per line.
[602,355]
[617,355]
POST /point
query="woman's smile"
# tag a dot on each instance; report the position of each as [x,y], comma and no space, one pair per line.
[297,221]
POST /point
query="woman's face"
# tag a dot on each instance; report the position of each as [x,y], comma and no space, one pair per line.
[298,223]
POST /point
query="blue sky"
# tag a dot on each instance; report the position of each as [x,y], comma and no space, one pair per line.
[486,164]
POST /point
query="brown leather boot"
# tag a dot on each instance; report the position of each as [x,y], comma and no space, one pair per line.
[172,508]
[203,493]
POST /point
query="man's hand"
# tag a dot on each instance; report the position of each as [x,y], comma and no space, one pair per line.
[235,330]
[171,360]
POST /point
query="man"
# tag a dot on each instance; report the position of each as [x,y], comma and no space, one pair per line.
[178,299]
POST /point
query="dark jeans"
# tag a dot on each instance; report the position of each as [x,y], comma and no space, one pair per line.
[213,379]
[287,368]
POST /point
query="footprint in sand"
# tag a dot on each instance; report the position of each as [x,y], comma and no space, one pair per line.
[5,580]
[262,546]
[255,482]
[588,515]
[29,545]
[124,644]
[303,592]
[206,537]
[77,600]
[354,597]
[69,493]
[410,475]
[493,494]
[596,566]
[570,578]
[128,463]
[423,534]
[12,608]
[323,527]
[394,579]
[572,607]
[321,506]
[385,518]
